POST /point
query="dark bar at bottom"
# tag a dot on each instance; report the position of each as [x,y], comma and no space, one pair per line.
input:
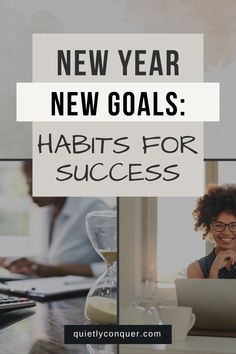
[117,334]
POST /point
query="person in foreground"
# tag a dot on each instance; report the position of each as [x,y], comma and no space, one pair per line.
[65,247]
[215,216]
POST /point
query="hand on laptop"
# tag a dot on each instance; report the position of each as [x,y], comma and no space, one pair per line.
[19,265]
[29,267]
[225,258]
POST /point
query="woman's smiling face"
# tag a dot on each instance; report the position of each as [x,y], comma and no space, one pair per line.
[224,234]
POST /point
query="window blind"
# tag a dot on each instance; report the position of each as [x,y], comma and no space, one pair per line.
[149,239]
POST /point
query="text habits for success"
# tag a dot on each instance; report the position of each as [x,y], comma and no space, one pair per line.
[108,79]
[78,144]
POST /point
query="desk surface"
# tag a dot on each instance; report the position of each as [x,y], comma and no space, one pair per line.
[192,345]
[40,330]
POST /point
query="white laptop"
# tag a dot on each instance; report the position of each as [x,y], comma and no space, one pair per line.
[213,301]
[43,289]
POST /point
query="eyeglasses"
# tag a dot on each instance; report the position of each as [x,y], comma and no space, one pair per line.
[221,226]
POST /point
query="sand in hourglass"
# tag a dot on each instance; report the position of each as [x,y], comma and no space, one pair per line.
[101,309]
[109,255]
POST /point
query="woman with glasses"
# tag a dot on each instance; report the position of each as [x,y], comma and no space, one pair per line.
[215,216]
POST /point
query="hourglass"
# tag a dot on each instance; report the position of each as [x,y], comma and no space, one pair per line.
[101,303]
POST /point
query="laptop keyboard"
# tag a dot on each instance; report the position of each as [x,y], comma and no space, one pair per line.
[9,303]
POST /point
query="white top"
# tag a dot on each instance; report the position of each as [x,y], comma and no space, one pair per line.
[70,243]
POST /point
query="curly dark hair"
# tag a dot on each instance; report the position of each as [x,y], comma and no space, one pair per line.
[216,200]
